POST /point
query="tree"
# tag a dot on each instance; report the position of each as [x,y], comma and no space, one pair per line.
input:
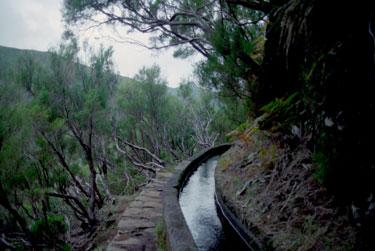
[200,112]
[144,117]
[72,111]
[226,33]
[155,127]
[176,22]
[25,177]
[13,165]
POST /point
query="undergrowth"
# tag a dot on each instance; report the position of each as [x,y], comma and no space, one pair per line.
[161,237]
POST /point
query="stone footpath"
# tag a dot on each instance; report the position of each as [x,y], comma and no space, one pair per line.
[136,229]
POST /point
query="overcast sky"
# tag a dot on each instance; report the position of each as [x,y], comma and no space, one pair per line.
[38,25]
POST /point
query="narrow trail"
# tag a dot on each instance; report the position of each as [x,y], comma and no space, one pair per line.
[136,229]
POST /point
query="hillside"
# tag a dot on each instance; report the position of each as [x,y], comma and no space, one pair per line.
[9,58]
[274,191]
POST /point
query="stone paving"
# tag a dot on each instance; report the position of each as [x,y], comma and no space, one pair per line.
[136,229]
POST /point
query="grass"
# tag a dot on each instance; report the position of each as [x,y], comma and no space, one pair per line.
[168,169]
[161,236]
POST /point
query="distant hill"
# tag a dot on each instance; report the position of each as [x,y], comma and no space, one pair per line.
[9,58]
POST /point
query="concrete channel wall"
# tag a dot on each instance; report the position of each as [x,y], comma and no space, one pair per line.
[245,239]
[178,234]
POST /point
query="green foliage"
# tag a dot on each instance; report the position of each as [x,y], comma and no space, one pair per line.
[9,61]
[161,236]
[280,113]
[279,105]
[185,90]
[57,131]
[322,164]
[120,185]
[237,54]
[50,230]
[54,225]
[46,115]
[14,139]
[242,127]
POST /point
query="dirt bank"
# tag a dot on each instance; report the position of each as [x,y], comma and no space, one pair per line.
[275,192]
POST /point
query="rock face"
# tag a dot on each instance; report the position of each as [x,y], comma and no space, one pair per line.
[136,229]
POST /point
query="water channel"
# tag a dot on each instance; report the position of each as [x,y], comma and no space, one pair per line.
[197,203]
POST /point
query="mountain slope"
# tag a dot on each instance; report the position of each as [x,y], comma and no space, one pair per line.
[9,58]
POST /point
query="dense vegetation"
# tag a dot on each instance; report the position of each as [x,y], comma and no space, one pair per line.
[74,135]
[304,68]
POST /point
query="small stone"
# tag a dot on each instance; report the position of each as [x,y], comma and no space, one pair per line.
[328,122]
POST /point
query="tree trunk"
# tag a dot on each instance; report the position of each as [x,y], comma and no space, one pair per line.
[93,189]
[104,169]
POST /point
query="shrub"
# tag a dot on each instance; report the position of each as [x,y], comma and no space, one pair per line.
[50,231]
[280,113]
[321,162]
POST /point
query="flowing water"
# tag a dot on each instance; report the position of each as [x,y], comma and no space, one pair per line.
[198,206]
